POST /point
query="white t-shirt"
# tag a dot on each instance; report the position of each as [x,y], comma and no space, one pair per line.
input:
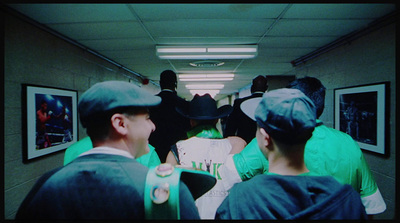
[208,155]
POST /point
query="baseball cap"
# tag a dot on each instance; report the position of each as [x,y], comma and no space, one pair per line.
[108,95]
[286,114]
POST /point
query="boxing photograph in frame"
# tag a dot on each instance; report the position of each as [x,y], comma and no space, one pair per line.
[363,113]
[50,120]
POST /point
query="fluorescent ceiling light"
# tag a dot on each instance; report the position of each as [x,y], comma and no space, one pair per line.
[209,79]
[232,49]
[207,52]
[206,77]
[181,50]
[204,86]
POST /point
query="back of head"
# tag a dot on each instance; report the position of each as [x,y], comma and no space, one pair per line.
[168,80]
[312,88]
[287,115]
[260,83]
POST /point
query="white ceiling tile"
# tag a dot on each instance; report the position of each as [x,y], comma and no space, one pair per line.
[154,12]
[128,33]
[207,40]
[297,27]
[295,41]
[75,13]
[98,31]
[208,28]
[119,44]
[339,11]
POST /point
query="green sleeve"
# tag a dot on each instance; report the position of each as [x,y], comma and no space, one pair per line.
[250,161]
[150,159]
[76,149]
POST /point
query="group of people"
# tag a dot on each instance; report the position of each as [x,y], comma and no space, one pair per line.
[161,157]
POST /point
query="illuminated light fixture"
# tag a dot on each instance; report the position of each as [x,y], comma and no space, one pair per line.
[206,77]
[207,52]
[204,86]
[207,63]
[203,92]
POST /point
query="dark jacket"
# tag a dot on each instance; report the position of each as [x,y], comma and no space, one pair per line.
[292,197]
[170,125]
[96,186]
[238,123]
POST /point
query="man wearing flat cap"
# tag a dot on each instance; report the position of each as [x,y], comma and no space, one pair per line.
[106,182]
[205,148]
[286,119]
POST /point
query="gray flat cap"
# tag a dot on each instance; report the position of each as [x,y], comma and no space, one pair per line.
[286,114]
[108,95]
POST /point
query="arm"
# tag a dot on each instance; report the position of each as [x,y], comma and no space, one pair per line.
[237,143]
[244,165]
[42,117]
[250,161]
[231,122]
[371,197]
[171,159]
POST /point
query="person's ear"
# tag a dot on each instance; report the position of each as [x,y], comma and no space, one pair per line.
[266,138]
[118,122]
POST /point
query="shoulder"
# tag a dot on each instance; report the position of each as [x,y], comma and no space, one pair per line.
[337,138]
[238,101]
[100,165]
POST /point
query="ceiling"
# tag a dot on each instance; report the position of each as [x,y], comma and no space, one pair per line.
[128,33]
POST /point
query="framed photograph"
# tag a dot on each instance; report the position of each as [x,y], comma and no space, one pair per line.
[363,113]
[50,120]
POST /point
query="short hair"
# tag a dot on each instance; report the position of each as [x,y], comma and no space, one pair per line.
[168,79]
[259,83]
[98,125]
[312,88]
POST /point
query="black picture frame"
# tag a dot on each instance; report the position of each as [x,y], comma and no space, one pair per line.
[363,112]
[52,130]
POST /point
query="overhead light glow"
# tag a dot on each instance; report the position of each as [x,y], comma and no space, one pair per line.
[206,56]
[233,49]
[206,77]
[182,50]
[204,86]
[207,52]
[212,93]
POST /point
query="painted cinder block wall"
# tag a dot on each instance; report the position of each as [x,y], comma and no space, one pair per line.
[34,56]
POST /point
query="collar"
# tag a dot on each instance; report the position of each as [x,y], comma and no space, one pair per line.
[205,131]
[319,122]
[108,150]
[168,90]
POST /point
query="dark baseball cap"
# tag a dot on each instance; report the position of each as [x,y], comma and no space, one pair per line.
[108,95]
[288,115]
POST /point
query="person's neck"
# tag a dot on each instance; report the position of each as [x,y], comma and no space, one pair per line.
[283,165]
[116,144]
